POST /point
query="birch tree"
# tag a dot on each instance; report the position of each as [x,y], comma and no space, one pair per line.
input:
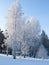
[31,36]
[15,21]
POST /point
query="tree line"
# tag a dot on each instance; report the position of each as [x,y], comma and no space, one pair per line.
[32,50]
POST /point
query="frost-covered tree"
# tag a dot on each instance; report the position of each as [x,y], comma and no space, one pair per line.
[24,36]
[31,36]
[15,24]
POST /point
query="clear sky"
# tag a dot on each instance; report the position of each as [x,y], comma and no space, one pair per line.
[37,8]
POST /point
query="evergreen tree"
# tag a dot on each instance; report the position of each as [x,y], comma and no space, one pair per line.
[44,40]
[2,37]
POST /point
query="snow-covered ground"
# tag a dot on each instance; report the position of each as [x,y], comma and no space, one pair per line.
[7,60]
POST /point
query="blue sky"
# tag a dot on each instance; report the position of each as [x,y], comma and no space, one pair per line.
[37,8]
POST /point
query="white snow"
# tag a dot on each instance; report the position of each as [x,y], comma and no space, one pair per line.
[7,60]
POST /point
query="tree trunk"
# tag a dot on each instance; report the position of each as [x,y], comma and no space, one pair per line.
[14,57]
